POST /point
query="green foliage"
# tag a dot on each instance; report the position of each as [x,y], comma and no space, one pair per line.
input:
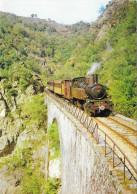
[25,154]
[7,85]
[22,51]
[12,92]
[119,65]
[22,75]
[19,159]
[23,84]
[36,112]
[32,181]
[52,186]
[19,110]
[54,141]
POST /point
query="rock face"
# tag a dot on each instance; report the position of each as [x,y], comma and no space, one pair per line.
[10,121]
[10,175]
[108,18]
[10,130]
[8,182]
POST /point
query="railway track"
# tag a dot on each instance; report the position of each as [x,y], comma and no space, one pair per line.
[123,135]
[124,125]
[125,132]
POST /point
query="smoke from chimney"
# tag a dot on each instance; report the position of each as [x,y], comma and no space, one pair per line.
[93,68]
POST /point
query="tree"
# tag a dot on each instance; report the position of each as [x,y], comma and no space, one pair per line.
[34,15]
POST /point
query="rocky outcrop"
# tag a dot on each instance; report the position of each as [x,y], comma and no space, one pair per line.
[10,175]
[11,136]
[108,18]
[10,121]
[8,182]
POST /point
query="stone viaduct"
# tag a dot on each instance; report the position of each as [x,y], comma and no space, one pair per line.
[84,168]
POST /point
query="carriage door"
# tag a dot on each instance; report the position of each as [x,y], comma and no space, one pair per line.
[67,89]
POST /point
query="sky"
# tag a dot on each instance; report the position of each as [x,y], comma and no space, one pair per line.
[61,11]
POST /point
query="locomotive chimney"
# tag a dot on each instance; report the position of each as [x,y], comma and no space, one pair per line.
[95,78]
[92,79]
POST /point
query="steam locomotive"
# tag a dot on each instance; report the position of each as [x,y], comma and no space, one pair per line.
[85,93]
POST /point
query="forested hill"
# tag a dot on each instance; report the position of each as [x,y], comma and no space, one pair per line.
[52,51]
[36,44]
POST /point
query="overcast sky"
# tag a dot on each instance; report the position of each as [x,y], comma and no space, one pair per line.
[62,11]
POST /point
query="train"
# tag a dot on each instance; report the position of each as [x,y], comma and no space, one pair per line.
[85,93]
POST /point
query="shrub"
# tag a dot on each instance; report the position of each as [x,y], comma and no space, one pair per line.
[54,141]
[12,92]
[36,111]
[52,186]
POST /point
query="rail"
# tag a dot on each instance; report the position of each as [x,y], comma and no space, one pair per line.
[93,128]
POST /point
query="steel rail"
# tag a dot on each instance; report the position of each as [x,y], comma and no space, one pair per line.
[117,133]
[123,125]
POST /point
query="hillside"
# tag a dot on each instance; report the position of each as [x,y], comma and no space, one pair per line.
[34,51]
[36,43]
[110,45]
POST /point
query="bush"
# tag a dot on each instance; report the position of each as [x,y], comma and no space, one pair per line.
[36,111]
[7,85]
[12,92]
[31,182]
[52,186]
[54,141]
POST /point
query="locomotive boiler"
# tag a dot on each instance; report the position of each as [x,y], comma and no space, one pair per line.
[85,93]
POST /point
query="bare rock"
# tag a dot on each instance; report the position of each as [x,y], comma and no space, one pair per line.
[4,187]
[30,90]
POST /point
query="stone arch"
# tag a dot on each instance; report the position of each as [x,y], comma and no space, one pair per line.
[55,117]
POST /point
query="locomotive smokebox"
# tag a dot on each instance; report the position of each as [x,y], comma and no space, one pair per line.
[96,91]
